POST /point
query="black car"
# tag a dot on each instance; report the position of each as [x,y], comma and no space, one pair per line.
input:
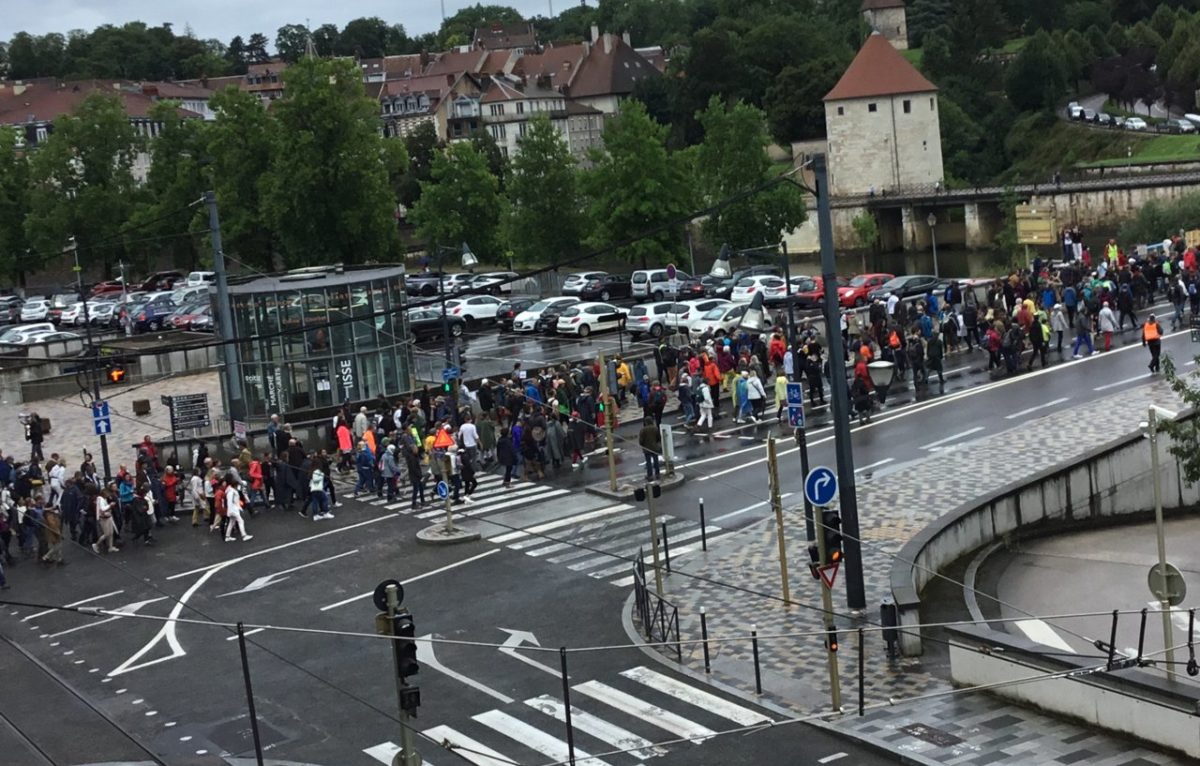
[605,289]
[905,287]
[426,324]
[507,312]
[690,289]
[424,283]
[548,321]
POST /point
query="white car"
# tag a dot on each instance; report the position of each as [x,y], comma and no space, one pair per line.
[474,309]
[35,311]
[12,333]
[31,337]
[681,314]
[529,319]
[201,278]
[583,319]
[72,315]
[456,283]
[495,282]
[721,321]
[1135,123]
[772,289]
[188,294]
[648,319]
[574,283]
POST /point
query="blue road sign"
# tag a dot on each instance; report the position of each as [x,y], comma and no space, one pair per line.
[442,490]
[796,417]
[450,373]
[795,394]
[99,410]
[103,426]
[820,486]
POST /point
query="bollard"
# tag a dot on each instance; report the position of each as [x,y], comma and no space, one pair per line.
[862,672]
[1142,635]
[703,533]
[666,546]
[1112,640]
[757,670]
[704,637]
[566,684]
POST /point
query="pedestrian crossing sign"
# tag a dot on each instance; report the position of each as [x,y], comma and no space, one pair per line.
[796,416]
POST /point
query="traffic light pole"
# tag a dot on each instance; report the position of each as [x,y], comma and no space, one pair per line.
[835,684]
[93,359]
[408,755]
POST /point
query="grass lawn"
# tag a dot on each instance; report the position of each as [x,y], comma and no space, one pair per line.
[1151,149]
[914,55]
[1014,45]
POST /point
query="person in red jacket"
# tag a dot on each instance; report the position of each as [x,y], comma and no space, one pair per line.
[256,483]
[171,492]
[776,349]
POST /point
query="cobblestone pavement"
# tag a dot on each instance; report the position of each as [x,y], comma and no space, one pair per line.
[954,729]
[71,429]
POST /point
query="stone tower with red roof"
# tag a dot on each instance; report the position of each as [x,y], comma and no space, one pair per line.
[881,123]
[888,18]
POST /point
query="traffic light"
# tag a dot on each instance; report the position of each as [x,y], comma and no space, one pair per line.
[831,639]
[814,561]
[116,373]
[831,530]
[406,651]
[600,405]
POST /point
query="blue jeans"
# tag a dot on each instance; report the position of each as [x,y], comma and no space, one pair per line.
[689,411]
[364,480]
[651,458]
[319,501]
[1081,338]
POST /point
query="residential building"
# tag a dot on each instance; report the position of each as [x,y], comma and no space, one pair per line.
[585,131]
[265,80]
[888,18]
[509,105]
[449,101]
[192,97]
[518,37]
[598,74]
[882,124]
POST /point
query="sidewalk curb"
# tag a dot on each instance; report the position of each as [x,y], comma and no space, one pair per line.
[626,490]
[882,748]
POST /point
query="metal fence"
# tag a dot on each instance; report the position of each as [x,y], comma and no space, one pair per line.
[659,617]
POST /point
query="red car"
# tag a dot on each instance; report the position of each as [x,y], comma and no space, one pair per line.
[111,287]
[809,292]
[855,293]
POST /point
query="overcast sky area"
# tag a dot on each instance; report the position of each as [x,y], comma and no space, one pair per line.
[223,19]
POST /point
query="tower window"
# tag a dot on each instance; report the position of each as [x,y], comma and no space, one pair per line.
[841,111]
[907,106]
[931,103]
[871,107]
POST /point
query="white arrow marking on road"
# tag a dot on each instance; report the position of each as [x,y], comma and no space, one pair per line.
[518,637]
[426,656]
[124,610]
[1179,615]
[271,579]
[73,604]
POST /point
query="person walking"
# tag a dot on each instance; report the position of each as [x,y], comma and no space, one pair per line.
[233,510]
[1083,333]
[650,440]
[316,495]
[35,435]
[102,502]
[1058,324]
[52,518]
[1152,337]
[706,408]
[934,354]
[1108,324]
[757,396]
[506,455]
[1038,340]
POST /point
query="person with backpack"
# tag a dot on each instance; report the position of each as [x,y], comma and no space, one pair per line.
[1083,333]
[1108,324]
[1012,346]
[757,396]
[656,403]
[915,351]
[650,440]
[1039,333]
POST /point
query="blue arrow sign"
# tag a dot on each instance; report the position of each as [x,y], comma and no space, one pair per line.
[796,417]
[820,486]
[103,426]
[442,490]
[795,394]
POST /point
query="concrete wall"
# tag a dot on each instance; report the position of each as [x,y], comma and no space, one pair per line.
[1103,207]
[1126,701]
[1111,482]
[885,148]
[891,23]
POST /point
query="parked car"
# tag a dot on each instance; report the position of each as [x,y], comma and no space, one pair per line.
[12,333]
[111,287]
[917,284]
[1074,110]
[723,287]
[72,315]
[654,284]
[424,283]
[203,323]
[718,322]
[162,280]
[493,282]
[427,324]
[648,319]
[1135,123]
[773,289]
[190,294]
[456,283]
[548,321]
[47,337]
[60,301]
[1103,118]
[508,312]
[200,278]
[575,282]
[1179,126]
[854,293]
[606,288]
[10,308]
[680,315]
[183,317]
[102,313]
[35,311]
[532,318]
[583,319]
[1089,115]
[689,289]
[474,309]
[809,292]
[151,313]
[1118,121]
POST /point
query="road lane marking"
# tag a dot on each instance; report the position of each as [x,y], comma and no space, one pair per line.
[1031,410]
[534,738]
[466,748]
[271,579]
[1041,633]
[956,437]
[610,734]
[127,609]
[386,751]
[832,758]
[426,655]
[77,603]
[246,633]
[672,687]
[645,711]
[885,461]
[415,578]
[552,525]
[1119,383]
[749,508]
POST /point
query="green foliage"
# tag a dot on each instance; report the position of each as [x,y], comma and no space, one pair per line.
[637,186]
[15,259]
[794,103]
[545,214]
[1098,44]
[962,141]
[866,230]
[1156,218]
[1143,37]
[1037,78]
[421,146]
[460,203]
[291,40]
[1163,21]
[732,159]
[1087,14]
[459,28]
[937,61]
[924,16]
[82,183]
[1118,38]
[326,192]
[1185,433]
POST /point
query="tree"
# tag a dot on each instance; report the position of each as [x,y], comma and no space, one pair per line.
[1183,75]
[1098,43]
[325,38]
[256,48]
[460,203]
[421,146]
[365,38]
[794,106]
[1087,14]
[1163,21]
[16,261]
[545,213]
[1143,37]
[459,28]
[291,41]
[326,192]
[497,162]
[240,144]
[1037,78]
[1185,433]
[961,143]
[732,159]
[236,55]
[924,16]
[636,186]
[866,230]
[937,61]
[83,184]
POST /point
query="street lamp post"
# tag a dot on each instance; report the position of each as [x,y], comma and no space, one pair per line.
[468,260]
[932,221]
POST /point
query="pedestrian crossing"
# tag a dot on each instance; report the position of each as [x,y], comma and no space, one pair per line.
[614,722]
[598,541]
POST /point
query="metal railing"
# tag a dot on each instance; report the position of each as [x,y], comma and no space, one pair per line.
[659,617]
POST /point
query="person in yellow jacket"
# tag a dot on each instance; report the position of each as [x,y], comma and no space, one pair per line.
[1152,337]
[624,377]
[1111,253]
[781,382]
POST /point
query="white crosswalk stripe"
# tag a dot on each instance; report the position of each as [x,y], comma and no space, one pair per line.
[610,734]
[686,693]
[650,713]
[384,752]
[534,738]
[474,752]
[552,525]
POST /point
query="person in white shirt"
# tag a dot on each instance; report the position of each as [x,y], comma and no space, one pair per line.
[104,518]
[57,475]
[233,510]
[468,437]
[196,495]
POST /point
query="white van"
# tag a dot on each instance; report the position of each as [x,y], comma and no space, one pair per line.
[201,278]
[653,283]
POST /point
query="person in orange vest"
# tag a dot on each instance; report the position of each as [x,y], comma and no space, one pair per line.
[1152,337]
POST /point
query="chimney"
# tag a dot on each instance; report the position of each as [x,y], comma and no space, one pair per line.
[625,37]
[595,33]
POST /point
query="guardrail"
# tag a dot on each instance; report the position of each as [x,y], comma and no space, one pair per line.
[659,617]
